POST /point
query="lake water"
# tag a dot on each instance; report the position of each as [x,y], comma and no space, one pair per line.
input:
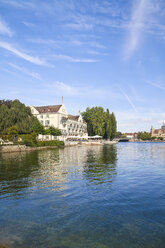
[110,196]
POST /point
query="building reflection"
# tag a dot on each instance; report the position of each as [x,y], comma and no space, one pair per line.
[23,173]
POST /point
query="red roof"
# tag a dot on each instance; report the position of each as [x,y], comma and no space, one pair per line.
[156,131]
[48,109]
[73,117]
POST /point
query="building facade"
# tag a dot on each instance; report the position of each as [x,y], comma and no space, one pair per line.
[57,116]
[158,132]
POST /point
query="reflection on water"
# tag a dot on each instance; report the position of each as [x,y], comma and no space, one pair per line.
[100,196]
[15,170]
[101,166]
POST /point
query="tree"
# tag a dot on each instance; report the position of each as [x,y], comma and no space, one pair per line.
[144,136]
[54,131]
[12,132]
[15,113]
[114,126]
[100,122]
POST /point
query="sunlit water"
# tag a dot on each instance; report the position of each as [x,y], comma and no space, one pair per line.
[102,196]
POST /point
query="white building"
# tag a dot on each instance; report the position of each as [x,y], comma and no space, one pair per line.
[57,116]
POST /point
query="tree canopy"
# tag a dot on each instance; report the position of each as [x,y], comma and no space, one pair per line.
[144,136]
[16,114]
[100,122]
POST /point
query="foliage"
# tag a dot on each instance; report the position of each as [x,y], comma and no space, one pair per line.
[120,135]
[37,128]
[50,143]
[52,131]
[29,139]
[14,113]
[100,122]
[144,135]
[12,132]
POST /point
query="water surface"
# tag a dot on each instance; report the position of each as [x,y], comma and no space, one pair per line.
[110,196]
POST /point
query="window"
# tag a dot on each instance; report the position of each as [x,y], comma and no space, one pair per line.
[41,116]
[47,122]
[42,122]
[47,116]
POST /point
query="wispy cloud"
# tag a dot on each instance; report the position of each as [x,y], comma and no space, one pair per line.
[156,85]
[4,29]
[28,24]
[46,42]
[91,93]
[19,4]
[63,88]
[136,26]
[129,100]
[25,71]
[72,59]
[35,60]
[80,26]
[94,44]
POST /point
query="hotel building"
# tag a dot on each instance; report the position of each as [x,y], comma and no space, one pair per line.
[57,116]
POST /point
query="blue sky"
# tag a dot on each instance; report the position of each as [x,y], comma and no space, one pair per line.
[107,53]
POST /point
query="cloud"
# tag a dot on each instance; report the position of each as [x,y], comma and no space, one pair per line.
[136,26]
[80,26]
[64,89]
[92,93]
[129,100]
[89,43]
[29,24]
[19,4]
[27,72]
[46,42]
[156,85]
[29,58]
[74,60]
[4,29]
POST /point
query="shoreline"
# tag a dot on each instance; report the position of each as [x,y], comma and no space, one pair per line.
[23,148]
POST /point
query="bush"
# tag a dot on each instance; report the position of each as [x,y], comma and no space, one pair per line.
[51,143]
[29,139]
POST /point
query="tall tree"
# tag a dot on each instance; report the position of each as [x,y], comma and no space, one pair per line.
[100,122]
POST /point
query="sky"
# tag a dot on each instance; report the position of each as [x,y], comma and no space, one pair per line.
[107,53]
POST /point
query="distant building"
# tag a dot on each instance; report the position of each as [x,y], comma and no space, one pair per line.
[131,136]
[57,116]
[158,132]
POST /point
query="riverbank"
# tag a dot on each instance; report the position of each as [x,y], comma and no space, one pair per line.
[24,148]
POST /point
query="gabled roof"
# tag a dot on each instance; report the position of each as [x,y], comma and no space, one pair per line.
[73,117]
[156,131]
[48,109]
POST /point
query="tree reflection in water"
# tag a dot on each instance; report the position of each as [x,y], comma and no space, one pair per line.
[100,167]
[15,170]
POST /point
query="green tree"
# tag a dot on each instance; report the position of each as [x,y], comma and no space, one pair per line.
[54,131]
[15,113]
[12,132]
[144,135]
[100,122]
